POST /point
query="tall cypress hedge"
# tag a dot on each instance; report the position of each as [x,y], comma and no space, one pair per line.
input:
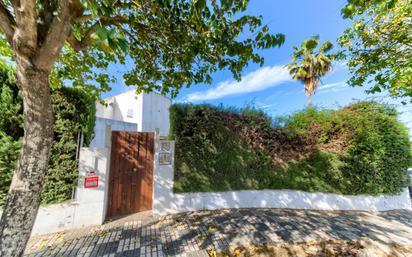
[359,149]
[74,112]
[11,120]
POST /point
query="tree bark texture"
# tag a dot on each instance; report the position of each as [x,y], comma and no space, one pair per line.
[310,101]
[25,190]
[37,39]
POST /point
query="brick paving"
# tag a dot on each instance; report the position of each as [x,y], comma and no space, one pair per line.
[192,234]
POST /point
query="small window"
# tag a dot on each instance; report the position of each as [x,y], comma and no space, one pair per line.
[130,113]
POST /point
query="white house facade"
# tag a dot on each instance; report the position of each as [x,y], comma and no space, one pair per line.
[150,111]
[129,111]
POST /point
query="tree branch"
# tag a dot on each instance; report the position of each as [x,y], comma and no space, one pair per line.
[84,43]
[83,18]
[80,45]
[25,36]
[56,36]
[7,23]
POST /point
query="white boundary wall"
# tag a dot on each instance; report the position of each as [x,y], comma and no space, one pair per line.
[89,207]
[167,202]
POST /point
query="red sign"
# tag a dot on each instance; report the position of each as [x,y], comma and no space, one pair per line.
[91,180]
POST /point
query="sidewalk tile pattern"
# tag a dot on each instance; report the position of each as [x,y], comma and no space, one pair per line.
[192,234]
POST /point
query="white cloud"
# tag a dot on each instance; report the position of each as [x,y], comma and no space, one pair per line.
[265,106]
[338,66]
[333,87]
[258,80]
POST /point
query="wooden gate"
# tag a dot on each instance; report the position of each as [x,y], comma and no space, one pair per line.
[131,173]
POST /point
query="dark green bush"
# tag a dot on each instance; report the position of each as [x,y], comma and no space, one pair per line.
[74,112]
[377,149]
[9,151]
[209,157]
[359,149]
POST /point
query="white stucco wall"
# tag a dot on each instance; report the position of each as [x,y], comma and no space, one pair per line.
[91,202]
[167,202]
[53,218]
[104,126]
[118,106]
[155,113]
[148,110]
[89,206]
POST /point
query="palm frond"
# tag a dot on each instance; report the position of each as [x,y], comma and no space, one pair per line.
[309,64]
[325,47]
[310,44]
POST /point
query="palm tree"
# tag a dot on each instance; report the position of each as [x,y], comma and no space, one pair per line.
[309,64]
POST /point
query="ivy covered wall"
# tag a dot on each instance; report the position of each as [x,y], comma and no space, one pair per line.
[358,149]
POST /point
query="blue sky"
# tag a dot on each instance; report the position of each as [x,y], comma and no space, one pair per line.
[269,87]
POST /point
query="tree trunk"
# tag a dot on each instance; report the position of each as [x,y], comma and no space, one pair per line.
[310,101]
[23,199]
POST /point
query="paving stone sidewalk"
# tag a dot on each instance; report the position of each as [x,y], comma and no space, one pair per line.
[191,234]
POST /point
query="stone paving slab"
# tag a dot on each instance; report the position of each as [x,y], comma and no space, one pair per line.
[192,234]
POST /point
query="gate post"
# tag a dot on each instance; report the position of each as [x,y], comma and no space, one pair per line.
[90,201]
[163,175]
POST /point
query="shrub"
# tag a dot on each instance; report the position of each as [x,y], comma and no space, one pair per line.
[372,145]
[359,149]
[74,112]
[207,150]
[9,151]
[11,110]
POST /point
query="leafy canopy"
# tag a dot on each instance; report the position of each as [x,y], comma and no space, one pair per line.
[169,44]
[379,45]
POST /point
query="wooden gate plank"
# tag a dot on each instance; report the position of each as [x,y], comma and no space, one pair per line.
[131,173]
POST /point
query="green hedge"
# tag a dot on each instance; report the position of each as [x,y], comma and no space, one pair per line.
[74,112]
[359,149]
